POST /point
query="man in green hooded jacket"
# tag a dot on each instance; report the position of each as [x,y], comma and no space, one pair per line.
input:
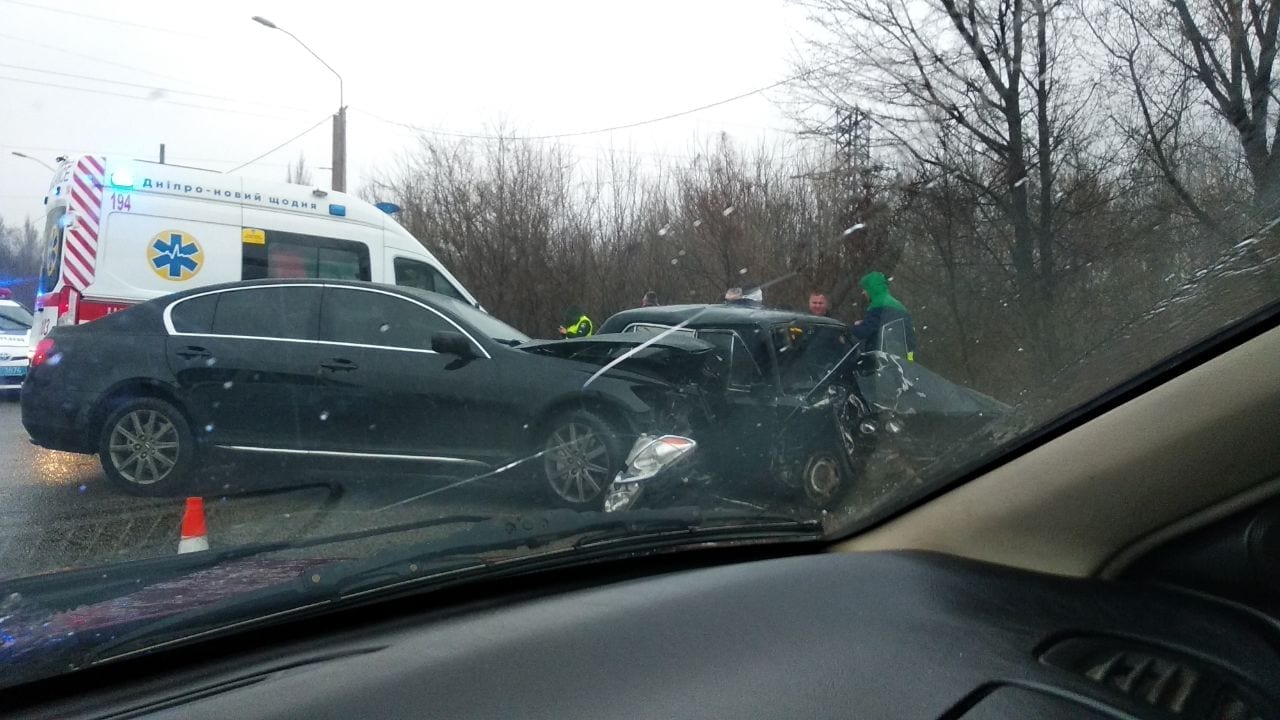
[884,311]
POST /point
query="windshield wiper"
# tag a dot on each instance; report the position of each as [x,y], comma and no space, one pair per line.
[457,558]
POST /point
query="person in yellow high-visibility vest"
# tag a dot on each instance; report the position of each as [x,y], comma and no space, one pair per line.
[577,324]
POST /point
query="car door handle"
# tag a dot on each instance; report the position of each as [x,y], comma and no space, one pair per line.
[339,365]
[191,352]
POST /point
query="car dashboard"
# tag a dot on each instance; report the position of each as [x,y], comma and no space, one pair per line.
[863,635]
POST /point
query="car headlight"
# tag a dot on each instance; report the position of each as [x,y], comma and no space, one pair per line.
[649,456]
[621,495]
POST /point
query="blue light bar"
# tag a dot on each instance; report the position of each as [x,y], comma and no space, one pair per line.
[339,210]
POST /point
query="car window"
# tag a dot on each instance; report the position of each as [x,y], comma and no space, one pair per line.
[413,273]
[13,318]
[194,315]
[364,317]
[282,312]
[808,353]
[278,254]
[653,330]
[744,368]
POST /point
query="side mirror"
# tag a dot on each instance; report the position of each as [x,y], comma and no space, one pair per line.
[452,343]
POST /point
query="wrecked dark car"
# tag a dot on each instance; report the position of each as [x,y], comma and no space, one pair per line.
[777,402]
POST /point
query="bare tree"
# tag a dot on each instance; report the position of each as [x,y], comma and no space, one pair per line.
[988,74]
[298,172]
[21,257]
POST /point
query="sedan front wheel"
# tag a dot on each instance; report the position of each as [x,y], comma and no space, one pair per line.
[581,454]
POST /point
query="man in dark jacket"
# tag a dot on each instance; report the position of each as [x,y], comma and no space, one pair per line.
[886,325]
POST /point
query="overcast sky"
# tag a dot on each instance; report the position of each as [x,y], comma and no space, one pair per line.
[219,89]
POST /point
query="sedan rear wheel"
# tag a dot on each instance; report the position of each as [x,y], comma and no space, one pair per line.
[147,447]
[580,457]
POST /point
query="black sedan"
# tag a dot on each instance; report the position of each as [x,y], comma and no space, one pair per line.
[329,370]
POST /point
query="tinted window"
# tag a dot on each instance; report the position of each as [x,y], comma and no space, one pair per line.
[194,315]
[412,273]
[293,255]
[372,318]
[270,312]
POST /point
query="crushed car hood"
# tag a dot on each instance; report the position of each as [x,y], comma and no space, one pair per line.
[676,358]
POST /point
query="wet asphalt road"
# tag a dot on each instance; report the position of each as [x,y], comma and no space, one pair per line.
[58,510]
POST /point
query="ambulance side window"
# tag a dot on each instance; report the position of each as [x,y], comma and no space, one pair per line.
[415,274]
[293,255]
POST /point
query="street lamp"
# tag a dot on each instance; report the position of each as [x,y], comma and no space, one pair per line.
[339,118]
[32,159]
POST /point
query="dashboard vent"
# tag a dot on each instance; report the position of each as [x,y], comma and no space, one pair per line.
[1154,680]
[1163,679]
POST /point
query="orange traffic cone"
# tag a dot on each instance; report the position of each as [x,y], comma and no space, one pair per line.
[194,538]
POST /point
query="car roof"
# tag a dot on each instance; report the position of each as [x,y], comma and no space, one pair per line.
[396,289]
[707,316]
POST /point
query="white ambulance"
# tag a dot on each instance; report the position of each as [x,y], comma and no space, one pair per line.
[122,232]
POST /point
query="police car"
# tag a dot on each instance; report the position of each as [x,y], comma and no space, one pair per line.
[15,328]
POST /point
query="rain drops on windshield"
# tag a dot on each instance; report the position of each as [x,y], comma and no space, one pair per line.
[351,284]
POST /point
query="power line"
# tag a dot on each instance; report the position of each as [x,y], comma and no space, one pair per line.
[323,120]
[99,18]
[126,153]
[152,88]
[93,58]
[614,128]
[136,97]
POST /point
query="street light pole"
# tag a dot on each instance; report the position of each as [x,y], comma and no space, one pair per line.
[339,118]
[32,159]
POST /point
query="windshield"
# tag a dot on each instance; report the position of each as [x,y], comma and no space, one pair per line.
[14,318]
[485,323]
[843,251]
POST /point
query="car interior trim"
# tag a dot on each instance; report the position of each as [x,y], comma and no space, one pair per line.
[1116,566]
[1195,441]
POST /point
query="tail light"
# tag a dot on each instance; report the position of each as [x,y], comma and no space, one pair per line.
[74,309]
[44,349]
[65,300]
[91,310]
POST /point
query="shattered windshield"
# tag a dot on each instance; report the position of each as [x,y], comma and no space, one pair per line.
[316,314]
